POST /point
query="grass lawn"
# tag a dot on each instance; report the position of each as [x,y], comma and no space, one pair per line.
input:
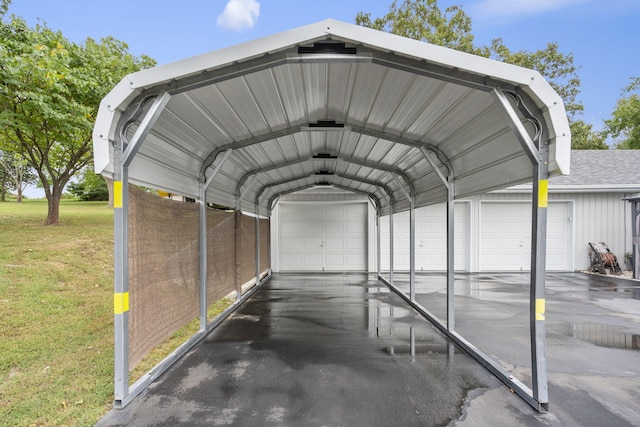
[56,314]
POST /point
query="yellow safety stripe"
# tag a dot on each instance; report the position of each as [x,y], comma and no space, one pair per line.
[543,193]
[120,302]
[117,194]
[540,309]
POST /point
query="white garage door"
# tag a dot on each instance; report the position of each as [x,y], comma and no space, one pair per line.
[323,237]
[505,236]
[431,239]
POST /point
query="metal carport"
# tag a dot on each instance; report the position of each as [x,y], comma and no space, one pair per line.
[407,123]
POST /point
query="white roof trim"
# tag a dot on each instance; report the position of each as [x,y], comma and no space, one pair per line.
[594,188]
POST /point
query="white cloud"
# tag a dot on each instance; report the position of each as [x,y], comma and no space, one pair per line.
[239,14]
[514,8]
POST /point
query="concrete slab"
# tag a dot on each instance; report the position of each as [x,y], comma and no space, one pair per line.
[341,350]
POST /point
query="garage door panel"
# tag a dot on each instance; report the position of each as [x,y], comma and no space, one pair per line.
[334,244]
[334,260]
[311,260]
[355,229]
[505,236]
[492,227]
[510,243]
[355,244]
[431,232]
[297,228]
[312,244]
[333,228]
[311,213]
[354,212]
[509,227]
[288,260]
[333,213]
[291,244]
[325,238]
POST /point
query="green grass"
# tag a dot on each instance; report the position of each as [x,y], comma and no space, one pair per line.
[56,304]
[56,315]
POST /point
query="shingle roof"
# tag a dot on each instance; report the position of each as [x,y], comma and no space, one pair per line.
[601,167]
[595,171]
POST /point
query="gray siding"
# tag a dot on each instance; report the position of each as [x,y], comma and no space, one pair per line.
[599,217]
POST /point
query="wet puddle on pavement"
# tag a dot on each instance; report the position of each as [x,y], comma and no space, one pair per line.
[609,336]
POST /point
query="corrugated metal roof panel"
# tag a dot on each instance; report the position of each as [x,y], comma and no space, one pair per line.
[262,99]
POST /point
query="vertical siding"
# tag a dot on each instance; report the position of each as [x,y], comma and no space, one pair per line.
[599,217]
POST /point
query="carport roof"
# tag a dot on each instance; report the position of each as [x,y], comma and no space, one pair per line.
[333,104]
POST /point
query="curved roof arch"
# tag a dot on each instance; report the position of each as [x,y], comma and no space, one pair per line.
[384,106]
[308,181]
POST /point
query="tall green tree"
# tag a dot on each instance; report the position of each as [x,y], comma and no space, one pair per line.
[17,171]
[624,124]
[49,96]
[4,7]
[583,137]
[556,67]
[91,187]
[424,20]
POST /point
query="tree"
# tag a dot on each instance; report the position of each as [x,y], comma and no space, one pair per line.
[91,187]
[424,20]
[4,7]
[4,185]
[556,67]
[583,137]
[17,171]
[625,119]
[50,92]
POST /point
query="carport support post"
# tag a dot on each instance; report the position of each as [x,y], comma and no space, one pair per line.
[451,312]
[538,266]
[378,244]
[121,280]
[391,245]
[448,182]
[412,251]
[203,256]
[202,196]
[257,244]
[122,158]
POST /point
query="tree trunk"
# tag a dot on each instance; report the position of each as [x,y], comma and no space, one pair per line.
[3,193]
[19,195]
[53,203]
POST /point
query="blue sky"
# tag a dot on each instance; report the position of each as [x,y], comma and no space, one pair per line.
[603,35]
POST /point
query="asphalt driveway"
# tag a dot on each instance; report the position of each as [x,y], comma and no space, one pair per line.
[342,350]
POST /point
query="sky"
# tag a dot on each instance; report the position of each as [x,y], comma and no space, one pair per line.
[602,35]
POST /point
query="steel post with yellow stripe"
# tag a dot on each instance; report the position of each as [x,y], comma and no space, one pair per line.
[123,154]
[540,198]
[537,149]
[121,288]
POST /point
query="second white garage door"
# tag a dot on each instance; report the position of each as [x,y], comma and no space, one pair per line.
[431,239]
[315,237]
[505,236]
